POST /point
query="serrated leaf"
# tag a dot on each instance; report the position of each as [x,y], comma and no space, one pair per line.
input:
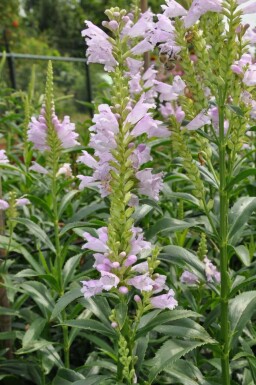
[170,352]
[185,328]
[241,309]
[65,300]
[239,216]
[157,317]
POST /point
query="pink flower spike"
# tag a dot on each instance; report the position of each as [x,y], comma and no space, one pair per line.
[65,170]
[164,301]
[3,204]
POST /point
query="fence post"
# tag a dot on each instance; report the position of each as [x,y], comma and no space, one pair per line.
[10,61]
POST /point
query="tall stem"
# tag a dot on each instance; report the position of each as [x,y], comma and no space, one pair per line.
[59,259]
[224,203]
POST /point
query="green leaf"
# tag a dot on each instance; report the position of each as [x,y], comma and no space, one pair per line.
[66,200]
[170,352]
[184,372]
[185,328]
[74,225]
[241,176]
[16,247]
[239,216]
[93,380]
[41,295]
[243,254]
[169,225]
[34,331]
[92,325]
[40,203]
[36,231]
[65,300]
[141,348]
[241,309]
[121,313]
[70,267]
[33,347]
[237,110]
[184,258]
[157,317]
[177,196]
[67,377]
[99,307]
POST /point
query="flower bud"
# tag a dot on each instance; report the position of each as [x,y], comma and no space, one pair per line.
[123,289]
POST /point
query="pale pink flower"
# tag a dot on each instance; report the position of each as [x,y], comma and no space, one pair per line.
[199,8]
[250,76]
[142,47]
[109,280]
[99,47]
[91,287]
[173,9]
[164,301]
[189,278]
[22,202]
[140,156]
[211,271]
[3,157]
[159,283]
[141,268]
[143,25]
[139,111]
[97,244]
[199,121]
[65,170]
[134,65]
[142,282]
[3,204]
[37,168]
[149,184]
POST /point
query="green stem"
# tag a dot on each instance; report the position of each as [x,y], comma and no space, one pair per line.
[224,203]
[59,261]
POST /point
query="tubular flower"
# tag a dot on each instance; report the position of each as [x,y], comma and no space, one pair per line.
[3,157]
[38,131]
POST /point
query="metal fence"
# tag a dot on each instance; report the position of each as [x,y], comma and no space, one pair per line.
[12,57]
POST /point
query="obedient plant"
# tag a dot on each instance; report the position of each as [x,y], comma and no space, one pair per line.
[143,273]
